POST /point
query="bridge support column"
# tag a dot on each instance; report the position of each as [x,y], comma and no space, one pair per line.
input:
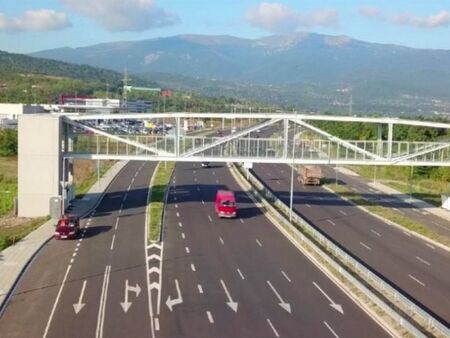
[39,163]
[390,136]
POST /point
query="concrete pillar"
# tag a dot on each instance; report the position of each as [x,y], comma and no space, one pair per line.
[39,163]
[390,138]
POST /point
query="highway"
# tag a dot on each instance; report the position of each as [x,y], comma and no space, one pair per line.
[361,186]
[415,266]
[241,277]
[220,277]
[75,288]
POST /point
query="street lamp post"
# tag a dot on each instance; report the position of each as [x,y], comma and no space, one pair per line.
[291,201]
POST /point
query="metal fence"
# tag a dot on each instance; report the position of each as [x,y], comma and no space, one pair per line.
[416,313]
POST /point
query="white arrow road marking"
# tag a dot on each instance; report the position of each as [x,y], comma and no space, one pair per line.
[77,307]
[154,256]
[282,303]
[154,245]
[153,269]
[136,289]
[335,306]
[172,302]
[230,303]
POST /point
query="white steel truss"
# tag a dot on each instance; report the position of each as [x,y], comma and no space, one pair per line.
[275,145]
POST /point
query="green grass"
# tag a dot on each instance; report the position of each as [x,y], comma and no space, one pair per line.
[389,214]
[399,178]
[86,184]
[156,201]
[10,235]
[8,183]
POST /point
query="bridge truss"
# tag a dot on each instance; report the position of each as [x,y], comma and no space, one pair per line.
[247,137]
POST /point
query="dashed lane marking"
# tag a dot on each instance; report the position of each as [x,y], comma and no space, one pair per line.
[365,245]
[210,317]
[331,330]
[240,274]
[200,289]
[416,280]
[210,219]
[242,221]
[112,242]
[275,332]
[285,276]
[331,222]
[430,246]
[187,249]
[193,267]
[375,232]
[178,214]
[420,259]
[183,235]
[221,240]
[259,243]
[343,212]
[180,224]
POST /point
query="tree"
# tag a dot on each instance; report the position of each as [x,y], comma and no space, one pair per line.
[8,142]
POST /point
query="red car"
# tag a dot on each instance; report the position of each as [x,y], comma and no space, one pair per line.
[225,204]
[67,227]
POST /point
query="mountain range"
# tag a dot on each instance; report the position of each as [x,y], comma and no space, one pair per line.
[319,70]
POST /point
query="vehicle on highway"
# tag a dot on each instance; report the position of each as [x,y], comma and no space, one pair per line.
[310,175]
[68,227]
[225,204]
[205,164]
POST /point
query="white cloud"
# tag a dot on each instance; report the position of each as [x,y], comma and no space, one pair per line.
[123,15]
[440,19]
[432,21]
[370,11]
[279,18]
[40,20]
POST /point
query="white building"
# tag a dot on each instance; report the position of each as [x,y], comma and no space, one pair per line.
[10,112]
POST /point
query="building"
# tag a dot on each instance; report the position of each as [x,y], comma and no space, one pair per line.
[138,106]
[10,112]
[84,104]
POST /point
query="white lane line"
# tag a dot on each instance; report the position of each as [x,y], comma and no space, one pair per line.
[242,221]
[195,179]
[308,205]
[210,317]
[343,212]
[56,301]
[178,214]
[156,324]
[112,242]
[375,232]
[240,274]
[331,330]
[72,260]
[259,243]
[331,222]
[176,206]
[129,188]
[132,180]
[102,307]
[200,289]
[180,224]
[187,249]
[78,244]
[416,280]
[203,202]
[278,182]
[117,223]
[217,181]
[125,197]
[365,245]
[193,267]
[183,235]
[213,172]
[429,245]
[423,260]
[285,276]
[221,240]
[210,219]
[74,254]
[273,328]
[77,248]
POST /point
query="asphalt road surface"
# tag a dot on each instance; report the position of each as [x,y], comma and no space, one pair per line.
[415,266]
[75,288]
[241,277]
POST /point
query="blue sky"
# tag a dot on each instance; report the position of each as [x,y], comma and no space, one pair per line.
[28,25]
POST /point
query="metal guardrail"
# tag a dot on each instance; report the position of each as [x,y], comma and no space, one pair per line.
[420,316]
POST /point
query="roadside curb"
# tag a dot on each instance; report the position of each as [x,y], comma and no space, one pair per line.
[387,221]
[28,258]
